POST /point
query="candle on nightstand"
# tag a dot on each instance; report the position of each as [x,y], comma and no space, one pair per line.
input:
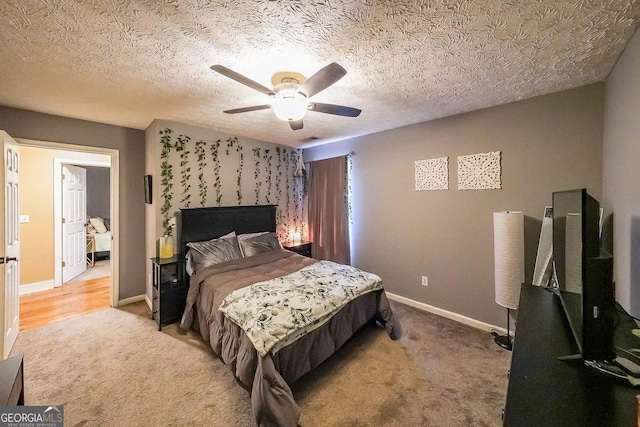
[296,237]
[165,247]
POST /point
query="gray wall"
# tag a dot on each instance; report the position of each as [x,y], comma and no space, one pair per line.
[98,191]
[548,143]
[130,143]
[621,172]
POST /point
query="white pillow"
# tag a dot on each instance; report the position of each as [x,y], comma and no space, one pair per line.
[91,229]
[98,224]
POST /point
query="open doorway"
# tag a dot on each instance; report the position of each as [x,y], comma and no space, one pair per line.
[92,248]
[46,295]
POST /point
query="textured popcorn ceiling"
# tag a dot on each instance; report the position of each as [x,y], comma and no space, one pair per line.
[127,62]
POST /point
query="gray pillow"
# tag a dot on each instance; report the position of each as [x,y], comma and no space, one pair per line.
[211,252]
[256,243]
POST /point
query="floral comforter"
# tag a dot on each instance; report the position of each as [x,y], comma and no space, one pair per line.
[267,377]
[276,312]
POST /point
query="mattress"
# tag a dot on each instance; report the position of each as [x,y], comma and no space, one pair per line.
[103,241]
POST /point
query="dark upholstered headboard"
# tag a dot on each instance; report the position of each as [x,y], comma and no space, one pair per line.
[198,224]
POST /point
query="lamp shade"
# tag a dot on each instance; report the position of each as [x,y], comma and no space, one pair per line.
[508,246]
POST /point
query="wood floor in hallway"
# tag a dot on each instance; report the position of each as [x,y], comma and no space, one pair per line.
[69,300]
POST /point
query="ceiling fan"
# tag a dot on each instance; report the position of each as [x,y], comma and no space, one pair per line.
[291,92]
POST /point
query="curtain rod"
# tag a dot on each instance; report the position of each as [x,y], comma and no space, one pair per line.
[349,154]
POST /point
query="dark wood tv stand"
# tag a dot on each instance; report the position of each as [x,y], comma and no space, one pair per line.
[12,382]
[545,391]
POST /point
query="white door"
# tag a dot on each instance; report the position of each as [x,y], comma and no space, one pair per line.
[10,233]
[74,217]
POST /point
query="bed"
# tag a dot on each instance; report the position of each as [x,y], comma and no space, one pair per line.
[99,229]
[267,370]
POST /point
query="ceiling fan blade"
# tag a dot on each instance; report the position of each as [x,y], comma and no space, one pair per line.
[338,110]
[322,79]
[247,109]
[242,79]
[295,124]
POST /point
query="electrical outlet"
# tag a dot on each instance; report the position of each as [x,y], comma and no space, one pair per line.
[425,281]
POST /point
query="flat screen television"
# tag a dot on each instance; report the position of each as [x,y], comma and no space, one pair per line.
[583,274]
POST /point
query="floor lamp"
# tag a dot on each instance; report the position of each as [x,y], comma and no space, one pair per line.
[508,247]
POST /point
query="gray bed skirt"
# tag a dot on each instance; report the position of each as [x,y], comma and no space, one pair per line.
[267,378]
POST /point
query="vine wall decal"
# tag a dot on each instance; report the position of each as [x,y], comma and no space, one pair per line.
[256,156]
[278,181]
[239,171]
[185,169]
[267,170]
[289,177]
[296,190]
[348,194]
[201,157]
[221,178]
[217,183]
[166,181]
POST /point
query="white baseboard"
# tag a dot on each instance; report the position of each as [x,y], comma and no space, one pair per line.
[130,300]
[148,300]
[30,288]
[448,314]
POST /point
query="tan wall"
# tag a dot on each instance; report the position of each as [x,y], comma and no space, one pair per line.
[548,143]
[36,200]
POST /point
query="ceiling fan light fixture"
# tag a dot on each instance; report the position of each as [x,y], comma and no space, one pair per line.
[291,93]
[289,104]
[288,109]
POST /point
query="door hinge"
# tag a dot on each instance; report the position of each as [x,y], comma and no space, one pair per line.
[63,177]
[63,264]
[64,220]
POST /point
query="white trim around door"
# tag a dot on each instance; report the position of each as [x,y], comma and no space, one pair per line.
[113,163]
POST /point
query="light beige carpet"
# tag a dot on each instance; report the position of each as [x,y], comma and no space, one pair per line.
[113,367]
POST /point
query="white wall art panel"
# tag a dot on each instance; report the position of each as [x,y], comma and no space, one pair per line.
[479,171]
[432,174]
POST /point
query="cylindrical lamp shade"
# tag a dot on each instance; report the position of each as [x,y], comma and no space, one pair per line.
[508,247]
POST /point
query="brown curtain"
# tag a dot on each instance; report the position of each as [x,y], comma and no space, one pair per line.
[327,215]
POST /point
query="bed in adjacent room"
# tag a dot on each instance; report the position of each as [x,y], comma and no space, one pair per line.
[99,230]
[270,314]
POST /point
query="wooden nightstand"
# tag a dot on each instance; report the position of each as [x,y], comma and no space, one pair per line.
[169,289]
[303,248]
